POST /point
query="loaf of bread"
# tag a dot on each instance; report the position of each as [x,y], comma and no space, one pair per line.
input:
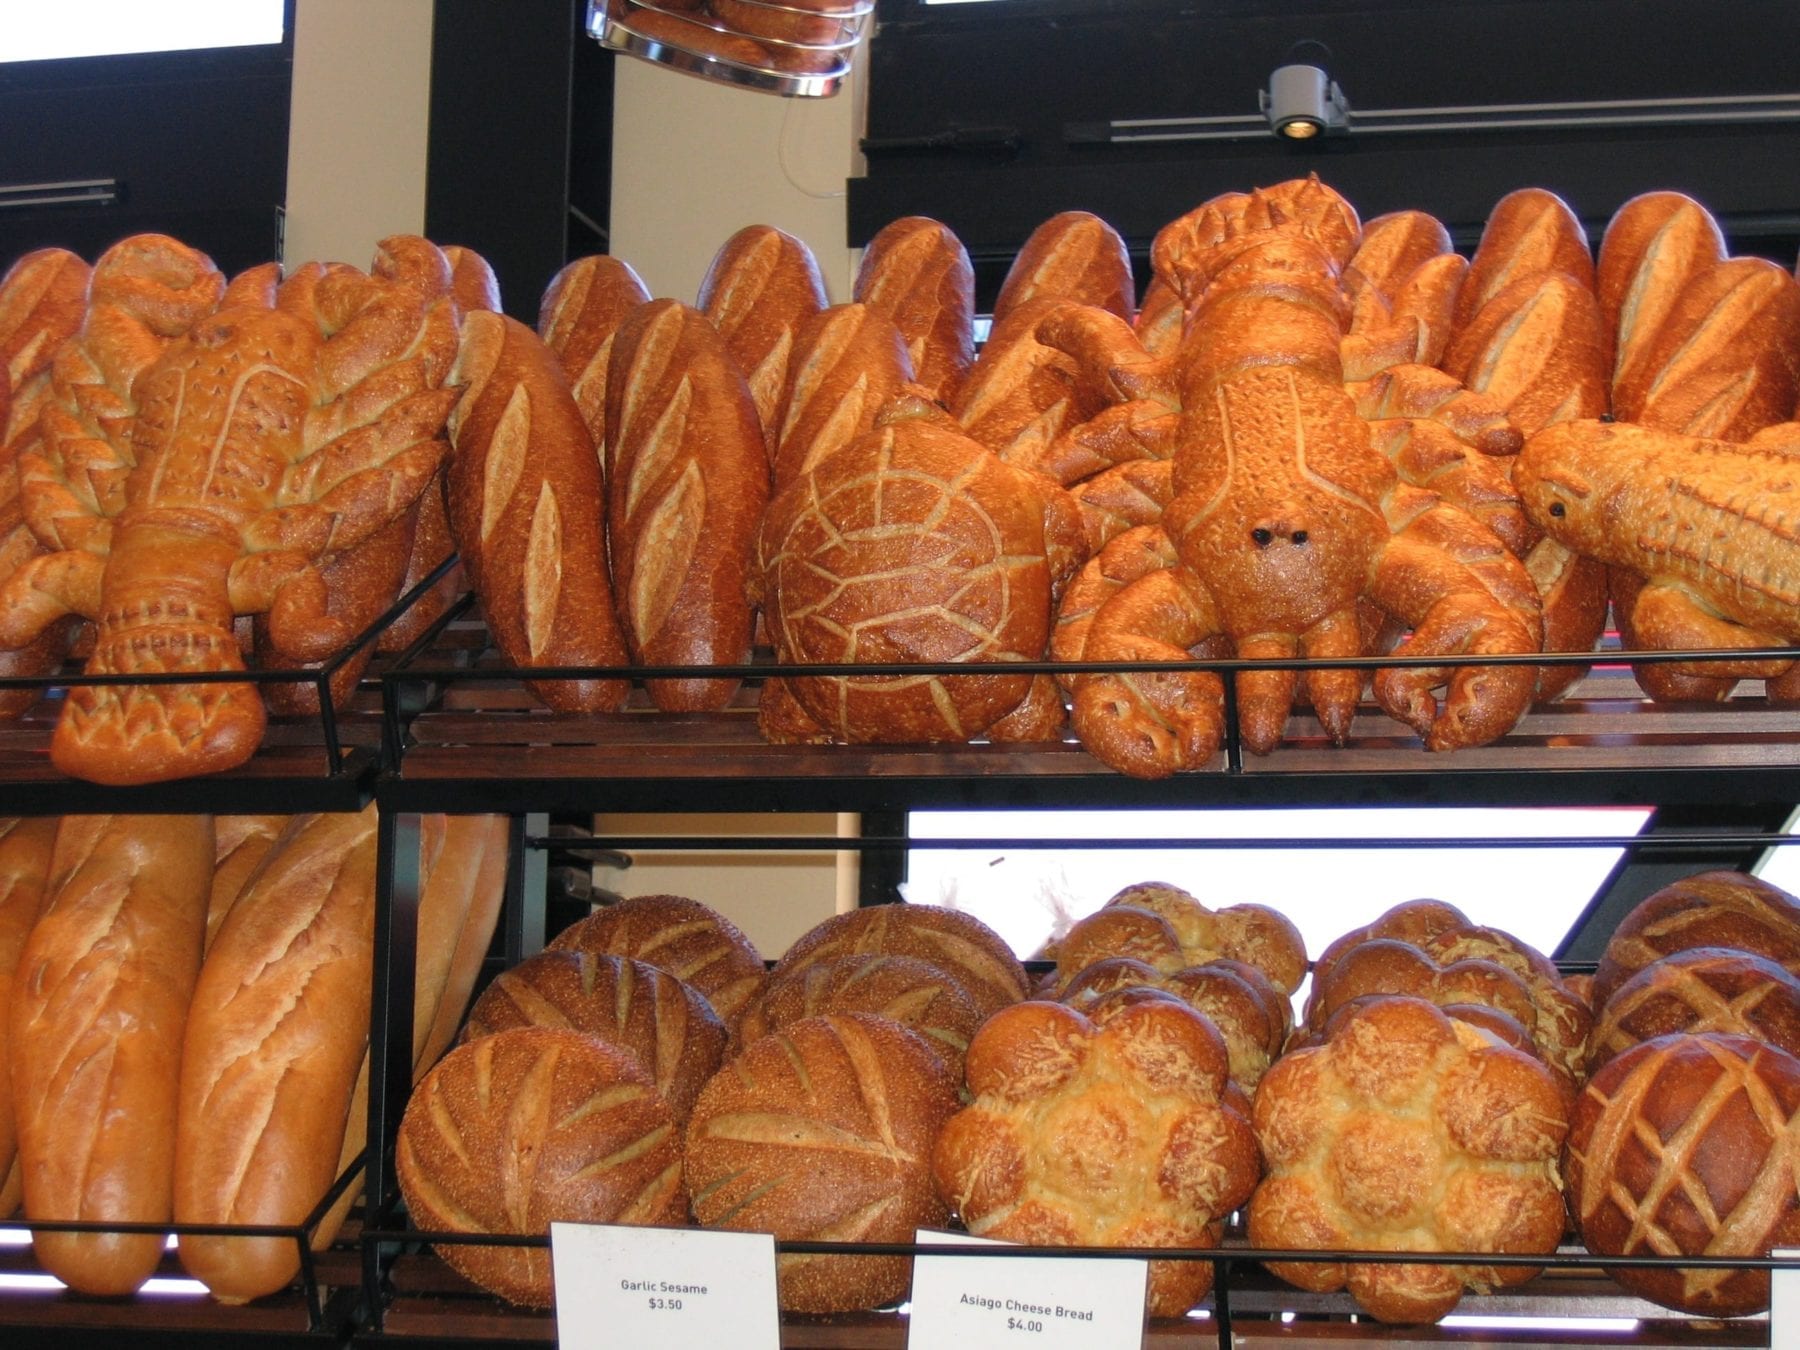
[100,1004]
[848,362]
[960,945]
[1074,255]
[1412,921]
[1653,246]
[528,1127]
[666,1025]
[473,284]
[1167,928]
[1021,394]
[1709,909]
[275,1039]
[1701,989]
[525,507]
[25,844]
[691,941]
[689,481]
[1406,1130]
[1529,232]
[1540,347]
[1239,1000]
[241,842]
[822,1132]
[917,272]
[462,883]
[1722,363]
[1121,1135]
[581,311]
[43,297]
[907,989]
[1686,1146]
[762,284]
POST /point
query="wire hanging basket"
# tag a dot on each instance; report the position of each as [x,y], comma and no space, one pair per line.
[799,49]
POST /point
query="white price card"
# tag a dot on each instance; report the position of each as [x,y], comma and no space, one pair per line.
[1034,1302]
[673,1288]
[1784,1299]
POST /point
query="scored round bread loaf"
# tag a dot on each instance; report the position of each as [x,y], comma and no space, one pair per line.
[1409,921]
[912,991]
[1123,1134]
[666,1025]
[1709,909]
[1688,1145]
[1166,927]
[692,941]
[1407,1130]
[823,1131]
[527,1127]
[1703,989]
[1251,1014]
[959,944]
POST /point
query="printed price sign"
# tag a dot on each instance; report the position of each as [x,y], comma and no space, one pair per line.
[674,1288]
[1035,1302]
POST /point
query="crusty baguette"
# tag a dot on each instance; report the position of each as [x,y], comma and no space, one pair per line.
[1393,247]
[525,508]
[581,310]
[1539,347]
[1652,247]
[275,1039]
[25,844]
[43,297]
[689,483]
[1072,256]
[848,361]
[242,842]
[473,284]
[761,285]
[917,272]
[462,869]
[101,1001]
[1530,230]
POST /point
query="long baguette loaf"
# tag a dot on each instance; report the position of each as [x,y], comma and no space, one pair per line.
[101,1001]
[689,484]
[242,842]
[1530,230]
[917,272]
[762,284]
[1653,246]
[1072,256]
[462,867]
[581,311]
[275,1039]
[525,507]
[849,360]
[25,845]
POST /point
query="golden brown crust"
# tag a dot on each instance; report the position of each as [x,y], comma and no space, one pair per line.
[524,498]
[274,1044]
[528,1127]
[1652,247]
[1721,1109]
[1708,909]
[666,1025]
[823,1131]
[462,871]
[762,284]
[691,941]
[689,478]
[1540,348]
[1529,231]
[101,998]
[961,946]
[848,362]
[25,846]
[1075,256]
[1122,1134]
[917,272]
[581,311]
[1701,989]
[241,841]
[1169,929]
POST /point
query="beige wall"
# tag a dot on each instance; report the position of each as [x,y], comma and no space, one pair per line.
[357,136]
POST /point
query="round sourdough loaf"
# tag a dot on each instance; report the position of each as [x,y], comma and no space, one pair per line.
[959,944]
[1703,989]
[527,1127]
[693,942]
[823,1131]
[913,992]
[1709,909]
[1689,1145]
[666,1025]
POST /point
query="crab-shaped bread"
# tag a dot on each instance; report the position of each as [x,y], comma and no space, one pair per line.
[1407,1130]
[1124,1134]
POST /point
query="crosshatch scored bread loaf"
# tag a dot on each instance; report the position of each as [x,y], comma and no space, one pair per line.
[823,1131]
[1709,909]
[959,944]
[531,1126]
[1702,989]
[690,940]
[668,1026]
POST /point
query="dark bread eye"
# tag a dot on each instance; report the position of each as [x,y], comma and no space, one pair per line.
[1558,510]
[1262,536]
[1299,536]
